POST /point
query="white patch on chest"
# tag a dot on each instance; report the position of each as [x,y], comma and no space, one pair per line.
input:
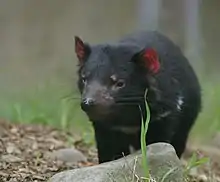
[163,115]
[179,103]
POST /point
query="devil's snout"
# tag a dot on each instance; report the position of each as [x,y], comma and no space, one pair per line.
[87,103]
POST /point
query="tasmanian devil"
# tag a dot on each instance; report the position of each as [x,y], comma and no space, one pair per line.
[113,79]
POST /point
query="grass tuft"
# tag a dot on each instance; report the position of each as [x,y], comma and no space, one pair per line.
[195,162]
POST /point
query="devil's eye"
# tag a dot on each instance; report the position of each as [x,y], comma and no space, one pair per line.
[120,83]
[117,83]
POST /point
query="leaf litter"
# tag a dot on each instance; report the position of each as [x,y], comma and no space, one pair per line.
[23,148]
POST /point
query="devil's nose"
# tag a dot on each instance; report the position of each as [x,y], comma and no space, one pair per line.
[87,103]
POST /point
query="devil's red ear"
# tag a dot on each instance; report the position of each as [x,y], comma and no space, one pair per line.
[81,49]
[151,60]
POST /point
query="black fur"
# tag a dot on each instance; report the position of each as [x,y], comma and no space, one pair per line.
[114,107]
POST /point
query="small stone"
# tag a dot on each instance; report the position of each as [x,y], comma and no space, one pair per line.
[34,146]
[13,180]
[217,179]
[11,148]
[10,158]
[68,155]
[14,130]
[193,172]
[202,178]
[55,143]
[37,177]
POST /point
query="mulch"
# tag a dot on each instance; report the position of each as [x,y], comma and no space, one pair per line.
[23,148]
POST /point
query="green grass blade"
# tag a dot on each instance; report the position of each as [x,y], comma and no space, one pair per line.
[144,128]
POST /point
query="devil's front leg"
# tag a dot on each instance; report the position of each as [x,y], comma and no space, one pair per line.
[111,144]
[162,130]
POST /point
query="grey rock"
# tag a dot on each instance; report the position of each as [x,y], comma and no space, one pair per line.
[162,159]
[70,156]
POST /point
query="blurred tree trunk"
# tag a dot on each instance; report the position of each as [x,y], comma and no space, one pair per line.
[172,20]
[193,36]
[148,14]
[211,34]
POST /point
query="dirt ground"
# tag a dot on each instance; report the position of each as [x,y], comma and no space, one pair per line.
[23,148]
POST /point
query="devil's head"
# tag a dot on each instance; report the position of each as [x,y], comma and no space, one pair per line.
[112,77]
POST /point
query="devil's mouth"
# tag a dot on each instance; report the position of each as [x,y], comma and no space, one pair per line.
[94,116]
[99,113]
[107,112]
